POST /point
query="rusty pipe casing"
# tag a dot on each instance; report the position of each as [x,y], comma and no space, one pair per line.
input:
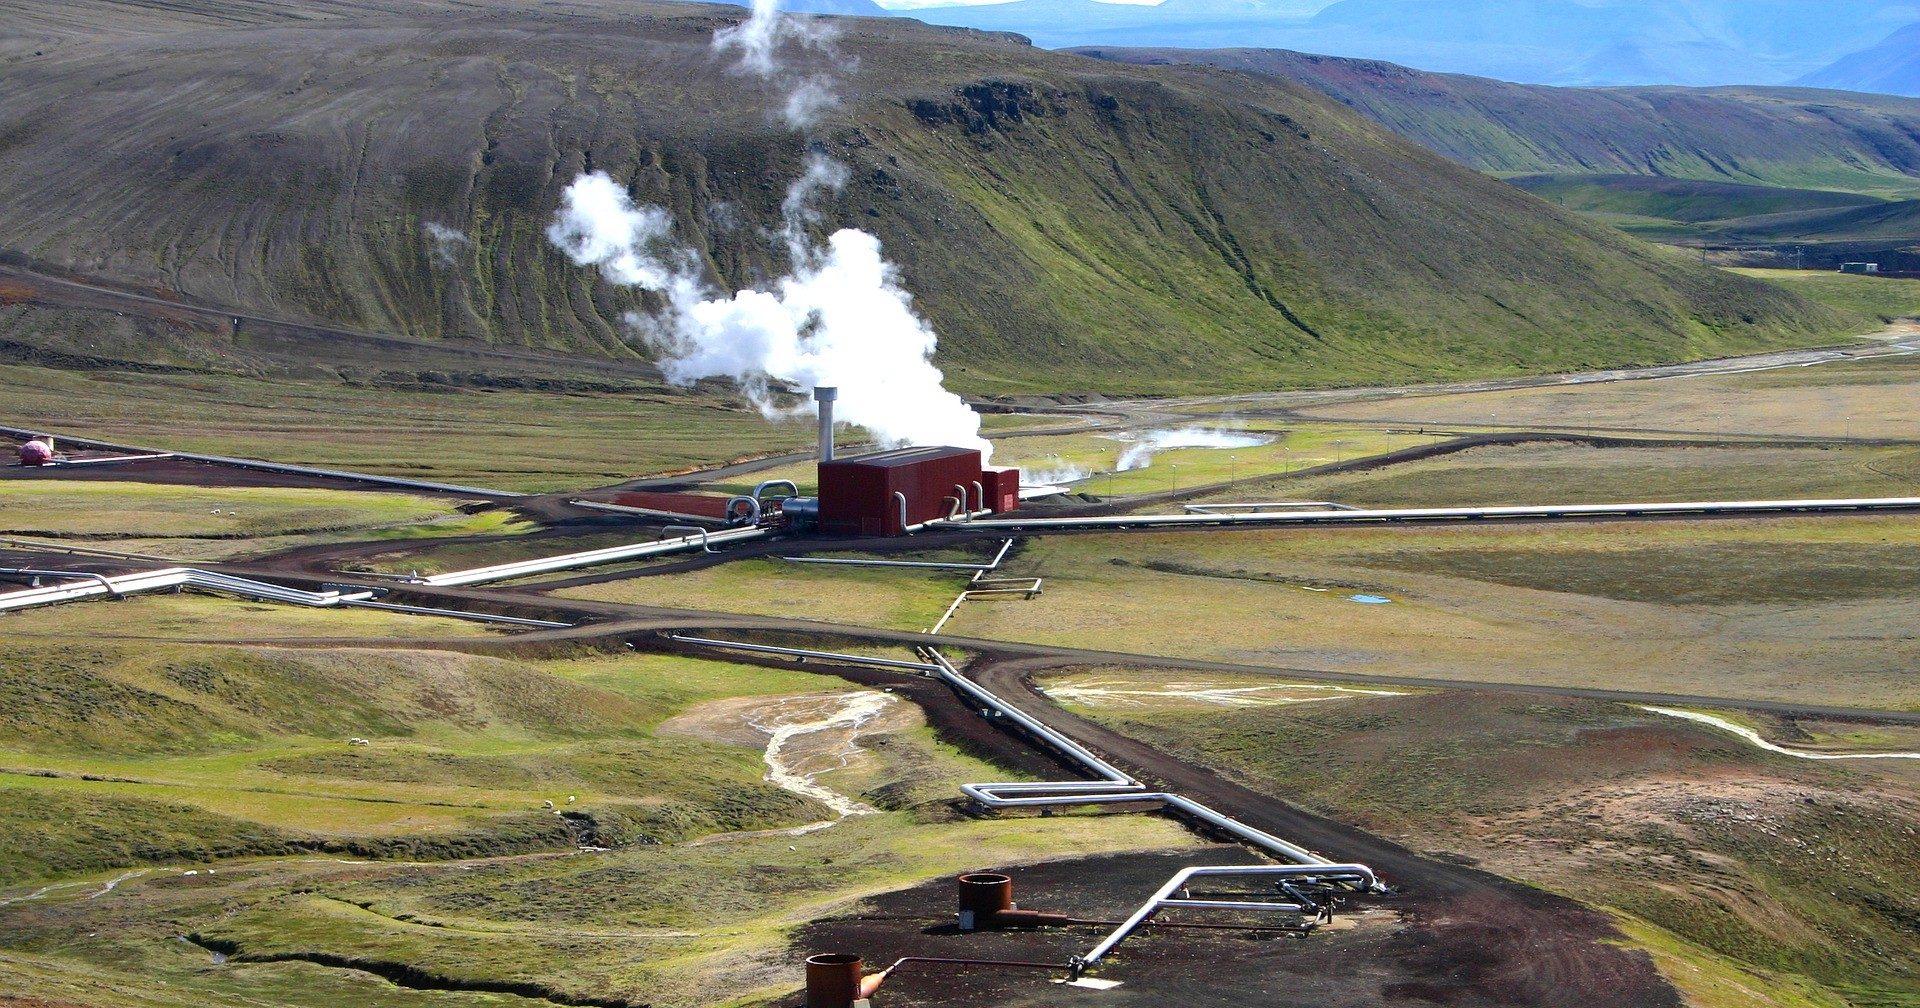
[986,902]
[837,980]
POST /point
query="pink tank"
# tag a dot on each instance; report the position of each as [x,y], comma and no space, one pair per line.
[36,453]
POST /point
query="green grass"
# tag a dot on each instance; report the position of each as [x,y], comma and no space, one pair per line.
[669,924]
[1686,206]
[1866,398]
[1719,574]
[1549,473]
[1295,447]
[512,440]
[112,510]
[1716,981]
[895,598]
[165,754]
[1148,230]
[195,616]
[1777,609]
[1884,298]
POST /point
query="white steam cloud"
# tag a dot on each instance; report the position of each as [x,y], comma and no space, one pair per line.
[1139,453]
[839,317]
[759,39]
[444,243]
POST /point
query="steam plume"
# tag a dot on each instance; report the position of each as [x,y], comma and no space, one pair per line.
[759,39]
[446,242]
[839,317]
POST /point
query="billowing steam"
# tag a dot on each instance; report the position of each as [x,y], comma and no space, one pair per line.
[1140,451]
[444,243]
[759,40]
[839,317]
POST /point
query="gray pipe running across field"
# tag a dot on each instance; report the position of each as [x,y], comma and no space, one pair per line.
[279,467]
[985,568]
[589,558]
[1346,516]
[1113,788]
[225,584]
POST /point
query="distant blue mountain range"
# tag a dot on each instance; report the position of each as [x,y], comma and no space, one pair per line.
[1565,42]
[1892,67]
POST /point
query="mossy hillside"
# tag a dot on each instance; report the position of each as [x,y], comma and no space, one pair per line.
[165,755]
[678,924]
[1884,298]
[1064,223]
[1688,201]
[1789,137]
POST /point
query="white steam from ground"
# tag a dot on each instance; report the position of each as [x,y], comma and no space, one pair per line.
[838,317]
[445,244]
[1141,447]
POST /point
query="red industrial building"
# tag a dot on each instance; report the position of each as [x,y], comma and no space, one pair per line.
[886,493]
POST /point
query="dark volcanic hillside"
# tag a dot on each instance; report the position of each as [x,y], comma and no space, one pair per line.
[1771,136]
[1066,223]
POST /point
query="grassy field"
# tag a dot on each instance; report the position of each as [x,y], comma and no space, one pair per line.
[511,440]
[1753,879]
[143,510]
[1789,610]
[1884,298]
[480,742]
[1861,399]
[1046,458]
[171,754]
[194,616]
[899,599]
[1554,473]
[1154,231]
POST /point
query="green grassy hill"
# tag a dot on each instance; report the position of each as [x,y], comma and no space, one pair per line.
[116,756]
[1651,204]
[1897,221]
[1066,223]
[1798,138]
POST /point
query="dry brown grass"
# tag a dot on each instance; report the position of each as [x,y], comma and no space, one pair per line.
[1869,399]
[1247,596]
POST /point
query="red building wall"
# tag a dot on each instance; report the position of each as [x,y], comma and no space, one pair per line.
[857,493]
[1003,489]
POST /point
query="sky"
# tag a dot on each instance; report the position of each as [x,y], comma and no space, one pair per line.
[1280,7]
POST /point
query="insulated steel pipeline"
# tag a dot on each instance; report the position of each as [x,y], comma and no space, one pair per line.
[278,467]
[702,540]
[1348,516]
[98,585]
[1309,870]
[1114,786]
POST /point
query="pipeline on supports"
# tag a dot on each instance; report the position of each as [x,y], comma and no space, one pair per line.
[1308,887]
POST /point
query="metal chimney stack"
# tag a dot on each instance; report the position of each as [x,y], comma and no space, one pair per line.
[825,395]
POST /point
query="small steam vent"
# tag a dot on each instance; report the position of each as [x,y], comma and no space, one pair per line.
[37,452]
